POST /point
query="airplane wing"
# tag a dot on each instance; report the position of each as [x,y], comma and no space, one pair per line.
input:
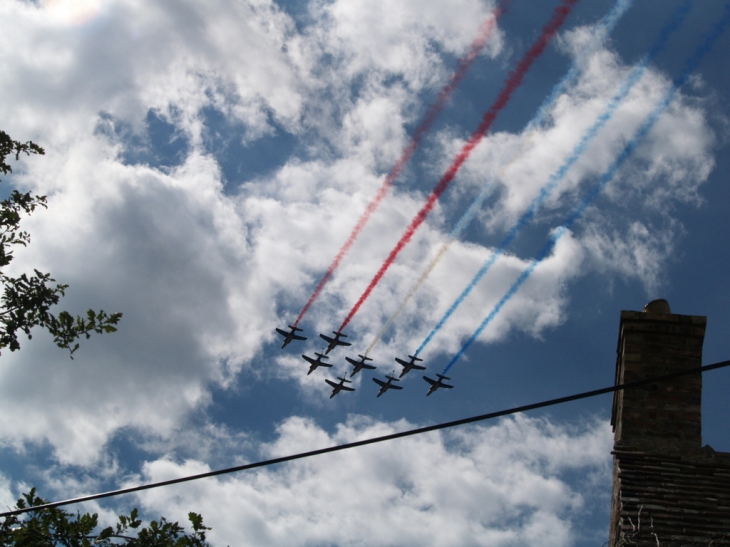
[361,364]
[326,338]
[379,382]
[341,343]
[393,386]
[418,367]
[432,382]
[321,364]
[293,336]
[348,388]
[446,385]
[401,362]
[330,382]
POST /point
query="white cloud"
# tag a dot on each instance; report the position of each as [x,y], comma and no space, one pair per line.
[134,56]
[7,496]
[167,250]
[406,42]
[502,485]
[634,250]
[669,166]
[665,172]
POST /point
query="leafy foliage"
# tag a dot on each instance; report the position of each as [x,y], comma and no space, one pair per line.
[26,300]
[55,527]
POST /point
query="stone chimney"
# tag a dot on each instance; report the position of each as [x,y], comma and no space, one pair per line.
[666,417]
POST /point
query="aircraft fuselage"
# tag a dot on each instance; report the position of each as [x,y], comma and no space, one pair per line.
[334,342]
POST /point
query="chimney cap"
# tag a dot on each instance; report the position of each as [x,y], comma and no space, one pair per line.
[660,305]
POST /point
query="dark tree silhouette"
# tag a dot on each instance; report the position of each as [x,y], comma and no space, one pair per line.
[55,527]
[27,300]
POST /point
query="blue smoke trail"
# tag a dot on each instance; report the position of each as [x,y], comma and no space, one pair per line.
[600,32]
[578,151]
[603,28]
[630,147]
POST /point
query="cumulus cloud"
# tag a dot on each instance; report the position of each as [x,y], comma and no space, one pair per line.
[7,496]
[407,42]
[501,485]
[664,168]
[634,250]
[135,56]
[166,277]
[666,171]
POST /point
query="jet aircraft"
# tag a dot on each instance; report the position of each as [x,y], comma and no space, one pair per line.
[339,387]
[385,386]
[359,365]
[410,365]
[316,362]
[435,384]
[334,342]
[289,336]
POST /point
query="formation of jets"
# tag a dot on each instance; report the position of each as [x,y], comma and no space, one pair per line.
[358,365]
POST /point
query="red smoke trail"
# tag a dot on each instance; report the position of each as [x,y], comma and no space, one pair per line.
[464,64]
[513,82]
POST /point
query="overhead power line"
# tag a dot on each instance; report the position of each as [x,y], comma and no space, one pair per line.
[418,431]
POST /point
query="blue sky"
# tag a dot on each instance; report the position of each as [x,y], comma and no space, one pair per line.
[204,164]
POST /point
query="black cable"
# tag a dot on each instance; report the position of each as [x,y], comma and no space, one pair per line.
[374,440]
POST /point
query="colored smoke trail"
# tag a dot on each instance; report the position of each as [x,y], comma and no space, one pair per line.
[630,147]
[602,29]
[465,63]
[560,174]
[463,223]
[513,82]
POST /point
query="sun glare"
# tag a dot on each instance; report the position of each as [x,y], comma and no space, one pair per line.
[73,12]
